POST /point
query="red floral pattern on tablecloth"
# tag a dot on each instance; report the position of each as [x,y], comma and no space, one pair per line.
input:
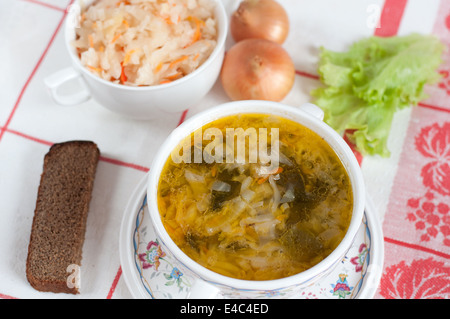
[434,143]
[430,218]
[421,279]
[417,220]
[430,212]
[445,81]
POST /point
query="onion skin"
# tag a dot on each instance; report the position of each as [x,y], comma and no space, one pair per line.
[261,19]
[257,69]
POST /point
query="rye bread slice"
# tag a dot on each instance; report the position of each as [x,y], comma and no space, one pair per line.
[59,222]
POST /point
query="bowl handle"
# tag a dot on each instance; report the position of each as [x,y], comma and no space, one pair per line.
[54,81]
[313,110]
[203,290]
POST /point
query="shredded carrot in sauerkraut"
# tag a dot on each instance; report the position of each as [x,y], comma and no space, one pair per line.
[145,42]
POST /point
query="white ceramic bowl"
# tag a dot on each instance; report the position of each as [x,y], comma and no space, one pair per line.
[208,283]
[139,102]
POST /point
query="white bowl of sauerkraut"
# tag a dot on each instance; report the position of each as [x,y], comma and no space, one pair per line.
[138,56]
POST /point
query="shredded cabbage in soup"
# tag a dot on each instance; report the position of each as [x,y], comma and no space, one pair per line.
[250,221]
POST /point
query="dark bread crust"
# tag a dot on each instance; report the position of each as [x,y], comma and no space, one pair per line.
[59,222]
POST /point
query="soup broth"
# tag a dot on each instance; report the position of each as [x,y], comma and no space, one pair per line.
[253,220]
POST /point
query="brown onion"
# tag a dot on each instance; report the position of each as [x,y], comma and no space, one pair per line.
[262,19]
[257,69]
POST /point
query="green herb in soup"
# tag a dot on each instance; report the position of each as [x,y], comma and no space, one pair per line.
[256,220]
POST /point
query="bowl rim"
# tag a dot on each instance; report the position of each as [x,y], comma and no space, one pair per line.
[221,39]
[263,107]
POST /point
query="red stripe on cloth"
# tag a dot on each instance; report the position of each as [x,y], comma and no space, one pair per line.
[433,107]
[308,75]
[426,105]
[3,296]
[114,284]
[29,137]
[390,18]
[183,117]
[48,5]
[24,88]
[416,247]
[145,169]
[102,158]
[124,164]
[357,154]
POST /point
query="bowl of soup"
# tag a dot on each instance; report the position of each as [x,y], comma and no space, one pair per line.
[255,198]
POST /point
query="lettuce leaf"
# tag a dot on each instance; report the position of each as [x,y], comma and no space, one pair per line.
[365,86]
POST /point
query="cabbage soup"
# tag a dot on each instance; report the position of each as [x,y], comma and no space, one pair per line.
[254,220]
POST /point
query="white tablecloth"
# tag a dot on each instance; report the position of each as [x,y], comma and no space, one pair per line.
[32,48]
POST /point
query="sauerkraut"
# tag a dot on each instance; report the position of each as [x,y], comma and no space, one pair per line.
[145,42]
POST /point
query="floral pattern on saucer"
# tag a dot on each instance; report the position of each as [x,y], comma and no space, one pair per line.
[159,276]
[161,279]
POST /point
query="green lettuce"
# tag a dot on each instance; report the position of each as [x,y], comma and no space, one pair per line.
[365,86]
